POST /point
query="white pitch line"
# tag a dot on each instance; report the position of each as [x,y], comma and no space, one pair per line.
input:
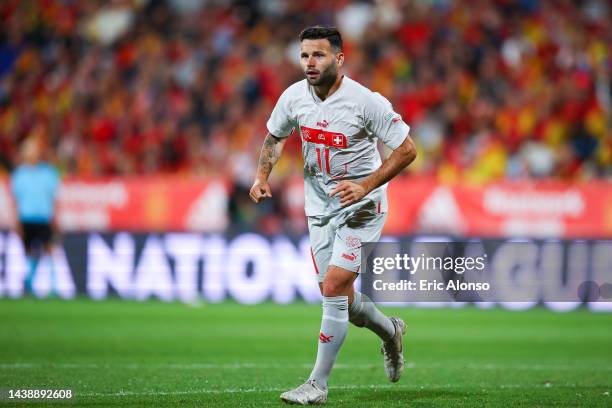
[242,366]
[340,387]
[192,366]
[231,391]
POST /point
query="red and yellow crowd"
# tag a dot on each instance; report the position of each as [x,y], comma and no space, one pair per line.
[492,89]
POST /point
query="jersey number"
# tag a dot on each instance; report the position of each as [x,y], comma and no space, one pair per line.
[325,153]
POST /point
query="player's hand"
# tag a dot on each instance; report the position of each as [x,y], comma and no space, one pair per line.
[260,191]
[349,192]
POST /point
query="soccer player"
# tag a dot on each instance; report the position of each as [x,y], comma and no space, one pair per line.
[339,122]
[35,184]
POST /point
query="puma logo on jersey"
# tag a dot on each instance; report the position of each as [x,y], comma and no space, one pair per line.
[324,339]
[323,124]
[350,257]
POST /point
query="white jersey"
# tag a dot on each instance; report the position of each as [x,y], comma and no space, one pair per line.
[339,137]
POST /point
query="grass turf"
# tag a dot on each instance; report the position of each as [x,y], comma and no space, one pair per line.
[119,353]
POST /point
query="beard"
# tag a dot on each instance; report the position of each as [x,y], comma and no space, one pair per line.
[327,77]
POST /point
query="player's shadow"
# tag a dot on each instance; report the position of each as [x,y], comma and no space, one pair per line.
[415,398]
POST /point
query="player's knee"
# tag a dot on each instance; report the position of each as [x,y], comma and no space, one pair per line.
[338,282]
[332,289]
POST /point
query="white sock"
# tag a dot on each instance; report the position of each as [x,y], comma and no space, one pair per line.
[364,313]
[334,325]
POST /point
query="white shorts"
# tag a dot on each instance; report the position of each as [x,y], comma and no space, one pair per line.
[337,240]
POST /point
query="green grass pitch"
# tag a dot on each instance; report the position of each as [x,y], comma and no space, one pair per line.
[120,353]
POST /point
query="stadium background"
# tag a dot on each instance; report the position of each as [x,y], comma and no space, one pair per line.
[154,112]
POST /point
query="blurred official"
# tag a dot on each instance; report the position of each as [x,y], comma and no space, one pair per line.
[35,184]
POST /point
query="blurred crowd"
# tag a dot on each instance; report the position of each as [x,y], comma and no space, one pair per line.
[492,89]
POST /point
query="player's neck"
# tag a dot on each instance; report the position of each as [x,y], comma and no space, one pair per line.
[325,91]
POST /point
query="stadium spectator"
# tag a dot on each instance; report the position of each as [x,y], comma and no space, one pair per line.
[493,88]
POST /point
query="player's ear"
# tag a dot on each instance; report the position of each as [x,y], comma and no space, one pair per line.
[340,58]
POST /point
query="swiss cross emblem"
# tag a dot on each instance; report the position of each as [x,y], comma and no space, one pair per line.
[337,140]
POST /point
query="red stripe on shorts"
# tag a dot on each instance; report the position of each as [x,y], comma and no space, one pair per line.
[313,261]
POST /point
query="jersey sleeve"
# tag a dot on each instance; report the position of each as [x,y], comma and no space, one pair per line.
[281,122]
[384,122]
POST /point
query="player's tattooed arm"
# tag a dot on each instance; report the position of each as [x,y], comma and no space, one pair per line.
[270,152]
[351,192]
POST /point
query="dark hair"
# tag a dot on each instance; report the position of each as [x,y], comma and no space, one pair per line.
[317,32]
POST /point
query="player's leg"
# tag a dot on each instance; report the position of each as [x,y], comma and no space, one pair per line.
[321,240]
[366,226]
[337,287]
[47,238]
[362,226]
[32,254]
[364,313]
[32,262]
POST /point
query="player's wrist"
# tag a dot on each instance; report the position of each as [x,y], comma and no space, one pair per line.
[366,184]
[260,179]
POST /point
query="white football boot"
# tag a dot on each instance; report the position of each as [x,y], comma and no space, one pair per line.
[392,351]
[308,393]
